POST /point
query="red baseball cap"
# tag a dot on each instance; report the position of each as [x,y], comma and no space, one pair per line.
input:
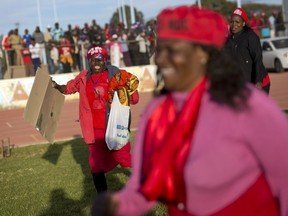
[240,12]
[97,52]
[193,24]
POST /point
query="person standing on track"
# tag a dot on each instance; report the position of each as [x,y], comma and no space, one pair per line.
[245,47]
[96,87]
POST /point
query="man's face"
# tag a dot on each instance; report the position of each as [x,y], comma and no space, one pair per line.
[236,24]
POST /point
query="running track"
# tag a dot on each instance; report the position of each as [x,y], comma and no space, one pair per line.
[20,133]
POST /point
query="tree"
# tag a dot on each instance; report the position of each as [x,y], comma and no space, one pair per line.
[114,21]
[226,7]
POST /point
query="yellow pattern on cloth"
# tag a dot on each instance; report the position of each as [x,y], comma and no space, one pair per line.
[125,84]
[66,59]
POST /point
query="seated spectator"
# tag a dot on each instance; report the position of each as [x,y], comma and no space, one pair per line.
[35,51]
[15,42]
[1,58]
[65,55]
[83,45]
[53,57]
[143,51]
[125,50]
[26,38]
[27,61]
[115,48]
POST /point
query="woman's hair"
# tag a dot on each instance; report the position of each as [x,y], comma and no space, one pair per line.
[226,81]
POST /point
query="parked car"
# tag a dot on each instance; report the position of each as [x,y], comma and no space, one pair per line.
[275,53]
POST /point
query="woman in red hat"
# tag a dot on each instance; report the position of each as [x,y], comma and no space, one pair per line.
[96,87]
[245,47]
[203,146]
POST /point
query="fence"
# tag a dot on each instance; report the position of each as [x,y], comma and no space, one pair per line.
[79,60]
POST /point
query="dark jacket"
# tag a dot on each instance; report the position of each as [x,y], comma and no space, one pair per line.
[246,49]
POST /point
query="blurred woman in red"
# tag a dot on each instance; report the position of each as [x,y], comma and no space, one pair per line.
[203,146]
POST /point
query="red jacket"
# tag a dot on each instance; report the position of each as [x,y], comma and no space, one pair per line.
[78,84]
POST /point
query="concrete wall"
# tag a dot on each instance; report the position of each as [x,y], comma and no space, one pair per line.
[14,93]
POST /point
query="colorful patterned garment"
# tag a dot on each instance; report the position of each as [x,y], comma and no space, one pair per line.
[65,55]
[125,84]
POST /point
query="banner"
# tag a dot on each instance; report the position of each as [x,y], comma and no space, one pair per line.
[14,92]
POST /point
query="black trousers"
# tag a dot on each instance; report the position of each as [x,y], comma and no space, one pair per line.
[100,182]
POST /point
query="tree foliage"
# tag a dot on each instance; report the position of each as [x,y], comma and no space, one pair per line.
[115,16]
[224,7]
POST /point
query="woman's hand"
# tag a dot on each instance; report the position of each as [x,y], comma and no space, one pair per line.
[258,85]
[60,88]
[105,204]
[54,84]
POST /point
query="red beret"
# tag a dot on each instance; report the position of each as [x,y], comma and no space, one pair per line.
[193,24]
[240,12]
[97,50]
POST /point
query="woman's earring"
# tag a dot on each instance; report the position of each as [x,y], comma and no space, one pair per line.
[203,61]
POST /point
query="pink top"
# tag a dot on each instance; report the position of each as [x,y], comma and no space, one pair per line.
[230,151]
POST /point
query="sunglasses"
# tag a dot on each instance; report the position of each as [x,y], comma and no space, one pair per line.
[99,57]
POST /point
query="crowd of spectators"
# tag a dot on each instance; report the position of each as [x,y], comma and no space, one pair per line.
[268,25]
[64,51]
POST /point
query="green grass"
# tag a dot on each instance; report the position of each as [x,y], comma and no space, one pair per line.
[52,180]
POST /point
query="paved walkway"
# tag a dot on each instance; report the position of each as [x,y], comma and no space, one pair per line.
[20,133]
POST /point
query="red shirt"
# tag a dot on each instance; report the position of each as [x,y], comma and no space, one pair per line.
[97,94]
[26,56]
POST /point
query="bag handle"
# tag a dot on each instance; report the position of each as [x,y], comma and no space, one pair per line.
[115,98]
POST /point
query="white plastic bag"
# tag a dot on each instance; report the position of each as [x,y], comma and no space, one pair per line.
[117,133]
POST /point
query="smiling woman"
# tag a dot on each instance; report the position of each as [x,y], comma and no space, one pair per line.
[204,143]
[244,45]
[96,87]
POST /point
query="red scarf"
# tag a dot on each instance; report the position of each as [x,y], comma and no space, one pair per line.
[168,139]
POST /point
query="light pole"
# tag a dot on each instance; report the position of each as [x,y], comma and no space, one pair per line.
[119,11]
[17,24]
[199,3]
[55,11]
[285,14]
[239,3]
[43,57]
[39,14]
[124,14]
[132,12]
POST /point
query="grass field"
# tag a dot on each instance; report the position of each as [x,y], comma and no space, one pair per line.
[52,180]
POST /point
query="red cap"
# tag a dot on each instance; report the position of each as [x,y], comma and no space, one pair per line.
[193,24]
[96,51]
[240,12]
